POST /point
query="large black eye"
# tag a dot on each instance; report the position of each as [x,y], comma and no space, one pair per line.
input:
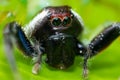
[67,20]
[56,21]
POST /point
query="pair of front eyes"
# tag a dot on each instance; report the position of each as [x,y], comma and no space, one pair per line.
[56,21]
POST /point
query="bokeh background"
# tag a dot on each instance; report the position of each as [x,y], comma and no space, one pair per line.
[96,15]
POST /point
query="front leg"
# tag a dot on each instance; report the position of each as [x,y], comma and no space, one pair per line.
[14,35]
[104,39]
[101,41]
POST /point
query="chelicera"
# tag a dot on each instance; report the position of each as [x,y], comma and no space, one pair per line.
[55,32]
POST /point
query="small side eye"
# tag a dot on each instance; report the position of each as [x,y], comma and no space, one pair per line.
[67,20]
[56,21]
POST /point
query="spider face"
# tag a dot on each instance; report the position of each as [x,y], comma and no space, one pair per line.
[61,18]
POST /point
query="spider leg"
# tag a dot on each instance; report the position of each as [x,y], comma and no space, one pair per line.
[14,35]
[101,41]
[81,51]
[104,39]
[37,59]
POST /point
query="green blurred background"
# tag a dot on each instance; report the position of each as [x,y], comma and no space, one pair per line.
[96,15]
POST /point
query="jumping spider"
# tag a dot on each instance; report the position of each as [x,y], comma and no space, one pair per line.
[54,32]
